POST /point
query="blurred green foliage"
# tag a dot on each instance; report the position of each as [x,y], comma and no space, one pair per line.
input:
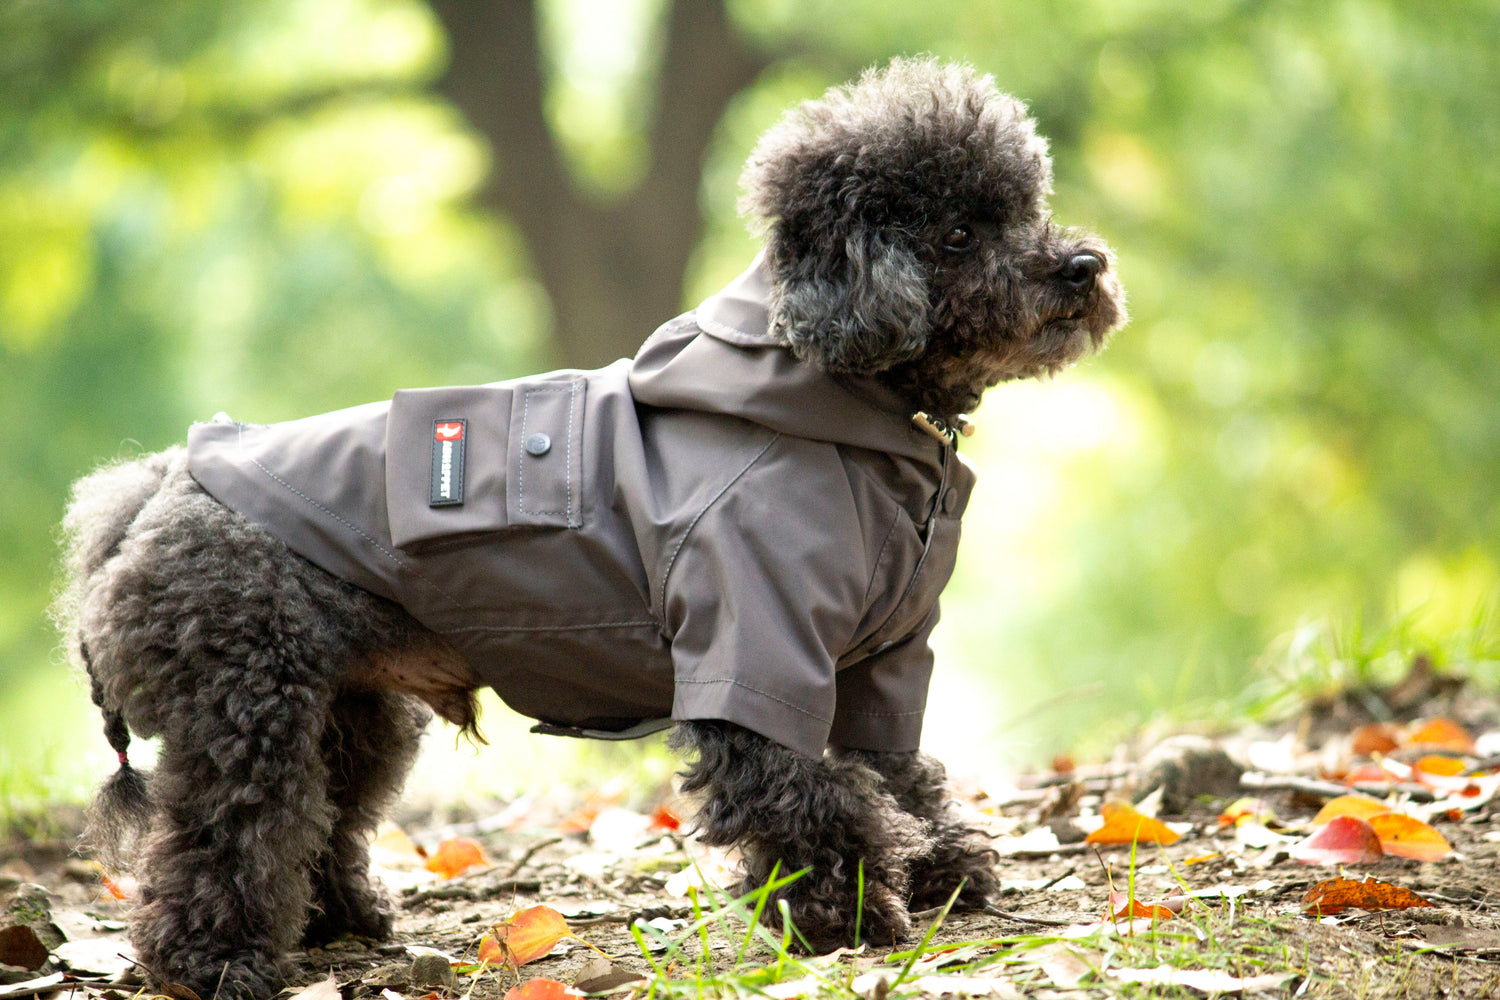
[262,207]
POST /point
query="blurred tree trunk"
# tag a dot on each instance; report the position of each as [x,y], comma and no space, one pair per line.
[613,271]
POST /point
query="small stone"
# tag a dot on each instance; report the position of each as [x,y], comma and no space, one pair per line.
[394,976]
[1187,767]
[31,907]
[431,970]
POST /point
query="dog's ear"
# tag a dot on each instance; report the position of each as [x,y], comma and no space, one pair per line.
[858,306]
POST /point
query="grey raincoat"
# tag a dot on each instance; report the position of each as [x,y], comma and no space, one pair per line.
[714,530]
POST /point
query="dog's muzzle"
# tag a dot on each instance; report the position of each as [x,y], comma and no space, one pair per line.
[1080,271]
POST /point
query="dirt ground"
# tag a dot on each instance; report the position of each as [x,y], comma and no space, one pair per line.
[1246,916]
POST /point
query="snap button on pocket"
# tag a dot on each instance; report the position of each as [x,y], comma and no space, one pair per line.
[538,445]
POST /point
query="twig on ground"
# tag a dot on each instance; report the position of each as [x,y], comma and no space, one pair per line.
[1026,918]
[1062,850]
[470,891]
[529,853]
[1332,789]
[1291,783]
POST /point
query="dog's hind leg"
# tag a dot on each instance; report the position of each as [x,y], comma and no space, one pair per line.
[207,633]
[369,745]
[959,855]
[242,812]
[788,812]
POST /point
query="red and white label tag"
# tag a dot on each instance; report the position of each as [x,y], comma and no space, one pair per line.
[446,488]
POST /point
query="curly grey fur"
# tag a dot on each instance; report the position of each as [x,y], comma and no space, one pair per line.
[276,759]
[831,817]
[907,237]
[856,192]
[957,859]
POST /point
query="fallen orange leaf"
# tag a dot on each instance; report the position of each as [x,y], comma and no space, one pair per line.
[1358,806]
[1336,895]
[663,818]
[1440,764]
[580,820]
[456,856]
[1343,840]
[1443,734]
[542,989]
[1406,837]
[491,952]
[1122,906]
[1373,773]
[1246,809]
[525,937]
[1377,737]
[1446,775]
[111,886]
[1124,825]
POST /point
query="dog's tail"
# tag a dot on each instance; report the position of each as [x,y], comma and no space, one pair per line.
[100,513]
[122,809]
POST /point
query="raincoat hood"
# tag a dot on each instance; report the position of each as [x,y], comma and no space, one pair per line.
[732,363]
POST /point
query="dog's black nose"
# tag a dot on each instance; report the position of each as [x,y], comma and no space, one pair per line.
[1081,269]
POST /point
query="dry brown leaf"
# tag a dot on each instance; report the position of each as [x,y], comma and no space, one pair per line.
[1211,981]
[1062,964]
[20,947]
[323,989]
[1377,737]
[1336,895]
[1124,825]
[600,975]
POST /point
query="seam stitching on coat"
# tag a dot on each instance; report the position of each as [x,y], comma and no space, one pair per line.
[572,390]
[672,562]
[552,628]
[764,694]
[402,563]
[875,566]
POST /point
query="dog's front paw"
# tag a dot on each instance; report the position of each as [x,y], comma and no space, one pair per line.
[362,912]
[883,916]
[211,976]
[829,916]
[959,861]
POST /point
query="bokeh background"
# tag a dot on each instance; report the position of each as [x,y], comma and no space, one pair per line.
[278,207]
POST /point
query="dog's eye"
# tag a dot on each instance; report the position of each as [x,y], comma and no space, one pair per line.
[959,239]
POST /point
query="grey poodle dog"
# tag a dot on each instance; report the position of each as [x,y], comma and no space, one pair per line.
[741,533]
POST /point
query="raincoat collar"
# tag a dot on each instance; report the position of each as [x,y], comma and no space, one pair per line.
[730,361]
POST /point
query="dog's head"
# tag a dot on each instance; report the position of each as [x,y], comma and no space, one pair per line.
[908,234]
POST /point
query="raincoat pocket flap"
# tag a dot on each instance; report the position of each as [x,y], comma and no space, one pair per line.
[446,459]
